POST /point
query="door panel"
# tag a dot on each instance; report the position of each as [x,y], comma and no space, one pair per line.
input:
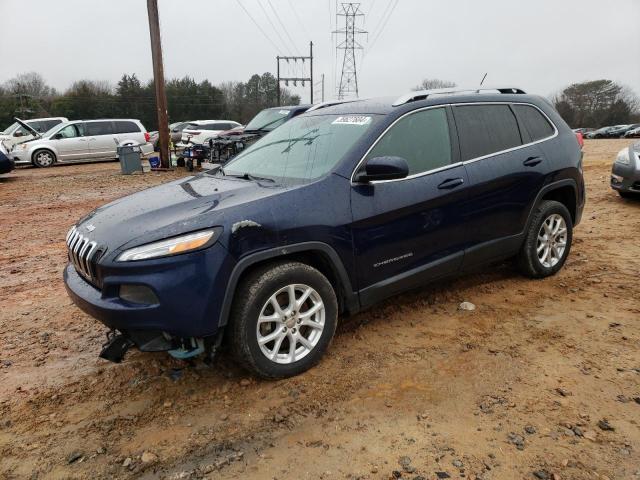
[101,139]
[72,146]
[408,232]
[502,186]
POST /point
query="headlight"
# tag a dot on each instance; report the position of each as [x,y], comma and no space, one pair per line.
[171,246]
[623,157]
[20,146]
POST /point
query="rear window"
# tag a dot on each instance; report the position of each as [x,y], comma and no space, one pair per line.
[126,127]
[486,129]
[98,128]
[535,122]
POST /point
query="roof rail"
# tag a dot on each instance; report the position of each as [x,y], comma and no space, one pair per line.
[329,103]
[422,94]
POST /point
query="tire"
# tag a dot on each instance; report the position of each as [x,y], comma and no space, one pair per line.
[254,299]
[43,158]
[628,195]
[552,256]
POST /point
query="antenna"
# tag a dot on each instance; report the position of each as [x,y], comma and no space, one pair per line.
[484,78]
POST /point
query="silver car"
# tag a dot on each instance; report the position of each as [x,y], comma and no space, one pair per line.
[81,140]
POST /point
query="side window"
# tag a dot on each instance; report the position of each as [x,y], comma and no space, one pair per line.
[486,129]
[98,128]
[535,122]
[126,127]
[69,131]
[421,138]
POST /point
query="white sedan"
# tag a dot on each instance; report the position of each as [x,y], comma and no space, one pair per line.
[201,131]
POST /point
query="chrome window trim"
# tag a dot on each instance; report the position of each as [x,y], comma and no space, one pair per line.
[457,164]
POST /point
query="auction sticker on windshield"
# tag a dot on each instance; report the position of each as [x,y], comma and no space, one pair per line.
[284,112]
[352,120]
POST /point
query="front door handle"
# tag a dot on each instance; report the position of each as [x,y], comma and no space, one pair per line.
[532,161]
[451,183]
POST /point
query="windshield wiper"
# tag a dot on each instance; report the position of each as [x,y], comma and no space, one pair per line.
[247,176]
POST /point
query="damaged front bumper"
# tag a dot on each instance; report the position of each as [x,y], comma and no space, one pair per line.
[183,317]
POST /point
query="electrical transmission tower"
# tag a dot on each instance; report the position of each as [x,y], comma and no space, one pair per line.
[349,77]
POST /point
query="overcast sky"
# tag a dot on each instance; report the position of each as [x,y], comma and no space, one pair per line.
[538,45]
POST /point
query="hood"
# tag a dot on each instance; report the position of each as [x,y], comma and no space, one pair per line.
[27,127]
[174,208]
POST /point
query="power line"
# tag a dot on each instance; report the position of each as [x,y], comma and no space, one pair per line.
[295,12]
[283,27]
[258,26]
[273,26]
[349,77]
[373,42]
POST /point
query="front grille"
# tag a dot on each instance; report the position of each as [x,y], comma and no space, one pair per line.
[84,254]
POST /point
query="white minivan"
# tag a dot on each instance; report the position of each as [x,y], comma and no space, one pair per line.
[81,140]
[16,133]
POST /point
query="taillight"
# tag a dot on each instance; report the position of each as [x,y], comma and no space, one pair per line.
[147,137]
[580,139]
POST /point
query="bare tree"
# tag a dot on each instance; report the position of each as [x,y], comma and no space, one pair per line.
[433,83]
[29,84]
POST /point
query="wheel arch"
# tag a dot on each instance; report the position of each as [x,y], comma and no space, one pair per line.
[316,254]
[563,191]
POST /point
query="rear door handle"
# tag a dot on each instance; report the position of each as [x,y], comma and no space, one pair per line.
[451,183]
[532,161]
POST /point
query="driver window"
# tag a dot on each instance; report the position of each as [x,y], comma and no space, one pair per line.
[69,131]
[421,138]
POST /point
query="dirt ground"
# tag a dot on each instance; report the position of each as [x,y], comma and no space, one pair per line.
[542,380]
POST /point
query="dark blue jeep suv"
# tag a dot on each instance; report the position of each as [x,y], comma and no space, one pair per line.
[341,207]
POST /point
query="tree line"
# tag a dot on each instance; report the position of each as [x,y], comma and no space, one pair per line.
[592,104]
[29,96]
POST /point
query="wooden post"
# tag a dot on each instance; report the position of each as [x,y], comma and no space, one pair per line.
[158,80]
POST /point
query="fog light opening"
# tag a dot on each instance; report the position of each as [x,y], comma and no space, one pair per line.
[138,294]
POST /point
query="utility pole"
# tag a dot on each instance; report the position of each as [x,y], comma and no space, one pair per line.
[295,80]
[323,88]
[158,80]
[349,77]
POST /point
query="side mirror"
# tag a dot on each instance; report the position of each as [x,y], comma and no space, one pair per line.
[57,136]
[17,134]
[383,168]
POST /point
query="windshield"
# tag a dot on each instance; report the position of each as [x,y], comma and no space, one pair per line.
[303,149]
[268,120]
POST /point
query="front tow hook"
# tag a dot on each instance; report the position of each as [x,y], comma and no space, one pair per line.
[115,348]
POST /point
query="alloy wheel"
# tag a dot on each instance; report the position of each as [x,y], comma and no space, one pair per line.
[291,323]
[552,240]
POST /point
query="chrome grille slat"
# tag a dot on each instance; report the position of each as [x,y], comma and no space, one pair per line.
[82,251]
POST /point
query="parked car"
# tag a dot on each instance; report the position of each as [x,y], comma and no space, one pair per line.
[625,172]
[201,130]
[266,121]
[633,133]
[619,130]
[336,210]
[600,133]
[583,131]
[16,132]
[6,164]
[81,140]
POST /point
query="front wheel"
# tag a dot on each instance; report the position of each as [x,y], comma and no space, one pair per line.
[43,158]
[548,241]
[283,319]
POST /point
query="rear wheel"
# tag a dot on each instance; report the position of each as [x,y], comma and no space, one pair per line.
[283,319]
[43,158]
[548,240]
